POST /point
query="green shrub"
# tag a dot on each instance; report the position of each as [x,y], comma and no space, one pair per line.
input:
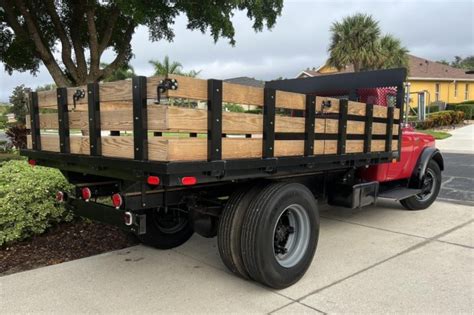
[466,107]
[441,119]
[254,111]
[27,203]
[435,107]
[234,108]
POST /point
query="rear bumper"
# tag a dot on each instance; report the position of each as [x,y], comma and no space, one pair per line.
[106,214]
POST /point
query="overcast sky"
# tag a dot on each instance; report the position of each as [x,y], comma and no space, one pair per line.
[429,28]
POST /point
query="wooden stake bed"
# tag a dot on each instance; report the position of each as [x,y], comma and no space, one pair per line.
[121,118]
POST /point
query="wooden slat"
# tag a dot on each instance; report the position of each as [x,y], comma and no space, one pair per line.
[330,146]
[380,111]
[396,113]
[378,146]
[188,87]
[190,149]
[290,100]
[356,108]
[192,88]
[114,92]
[355,127]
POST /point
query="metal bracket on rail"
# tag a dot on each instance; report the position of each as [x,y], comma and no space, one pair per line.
[79,94]
[165,85]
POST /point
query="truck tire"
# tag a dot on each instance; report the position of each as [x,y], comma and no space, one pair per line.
[280,234]
[166,230]
[230,229]
[430,189]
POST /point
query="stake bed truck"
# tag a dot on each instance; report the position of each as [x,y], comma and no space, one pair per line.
[163,158]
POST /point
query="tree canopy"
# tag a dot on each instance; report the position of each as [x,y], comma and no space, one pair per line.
[461,63]
[357,41]
[37,31]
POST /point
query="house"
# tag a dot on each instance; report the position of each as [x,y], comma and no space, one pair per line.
[430,81]
[246,81]
[11,118]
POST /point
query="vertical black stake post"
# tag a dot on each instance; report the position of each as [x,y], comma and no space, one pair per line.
[401,106]
[34,121]
[369,119]
[389,134]
[309,125]
[63,121]
[140,128]
[214,120]
[342,127]
[269,96]
[93,102]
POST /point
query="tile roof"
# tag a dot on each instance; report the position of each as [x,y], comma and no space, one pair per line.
[423,68]
[418,68]
[246,81]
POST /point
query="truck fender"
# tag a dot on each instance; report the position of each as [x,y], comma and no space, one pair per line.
[425,157]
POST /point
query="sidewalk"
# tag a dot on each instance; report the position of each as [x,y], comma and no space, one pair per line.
[375,260]
[461,141]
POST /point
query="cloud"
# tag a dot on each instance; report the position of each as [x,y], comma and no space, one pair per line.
[429,28]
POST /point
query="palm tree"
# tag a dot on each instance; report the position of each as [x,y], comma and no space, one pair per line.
[354,41]
[192,73]
[391,53]
[166,67]
[124,72]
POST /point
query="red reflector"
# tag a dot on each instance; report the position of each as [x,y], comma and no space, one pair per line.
[189,180]
[32,162]
[153,180]
[117,200]
[86,193]
[59,196]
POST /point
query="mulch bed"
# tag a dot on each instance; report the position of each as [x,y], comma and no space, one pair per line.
[64,242]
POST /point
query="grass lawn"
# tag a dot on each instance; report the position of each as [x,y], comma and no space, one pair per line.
[439,135]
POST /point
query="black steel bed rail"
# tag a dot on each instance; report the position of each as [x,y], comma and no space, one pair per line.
[206,172]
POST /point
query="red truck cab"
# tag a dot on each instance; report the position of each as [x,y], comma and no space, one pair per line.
[417,150]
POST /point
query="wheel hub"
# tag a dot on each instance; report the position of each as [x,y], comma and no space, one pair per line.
[427,186]
[291,236]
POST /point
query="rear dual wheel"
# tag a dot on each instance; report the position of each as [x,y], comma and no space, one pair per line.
[274,233]
[166,229]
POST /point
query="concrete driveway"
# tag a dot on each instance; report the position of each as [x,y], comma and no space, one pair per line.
[374,260]
[461,141]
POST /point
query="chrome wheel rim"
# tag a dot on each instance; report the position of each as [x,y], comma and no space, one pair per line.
[427,186]
[291,235]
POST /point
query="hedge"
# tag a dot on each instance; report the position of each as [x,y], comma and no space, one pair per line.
[440,119]
[466,107]
[27,200]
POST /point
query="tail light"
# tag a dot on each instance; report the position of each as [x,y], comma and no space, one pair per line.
[86,193]
[117,200]
[32,162]
[153,180]
[188,180]
[60,196]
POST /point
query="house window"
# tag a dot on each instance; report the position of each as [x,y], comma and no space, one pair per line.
[466,92]
[437,92]
[455,89]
